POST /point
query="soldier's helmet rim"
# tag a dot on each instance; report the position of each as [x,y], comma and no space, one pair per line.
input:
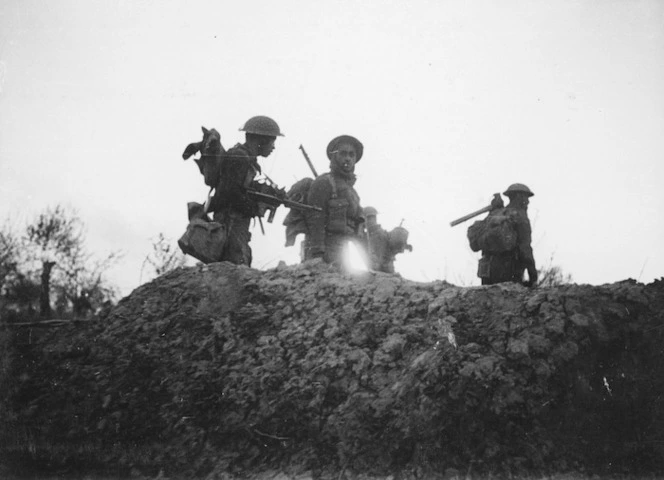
[336,141]
[262,125]
[369,211]
[518,188]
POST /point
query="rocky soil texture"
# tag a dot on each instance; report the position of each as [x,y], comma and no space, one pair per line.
[219,370]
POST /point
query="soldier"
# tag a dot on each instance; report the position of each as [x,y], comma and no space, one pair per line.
[340,220]
[383,246]
[509,266]
[231,205]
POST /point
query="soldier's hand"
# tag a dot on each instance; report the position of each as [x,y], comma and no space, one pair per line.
[280,193]
[261,208]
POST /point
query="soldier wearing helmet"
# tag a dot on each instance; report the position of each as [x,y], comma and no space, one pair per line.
[341,217]
[383,246]
[231,205]
[509,266]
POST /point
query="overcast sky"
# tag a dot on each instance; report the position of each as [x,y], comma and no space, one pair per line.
[453,100]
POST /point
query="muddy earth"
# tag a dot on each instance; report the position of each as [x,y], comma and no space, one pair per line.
[221,372]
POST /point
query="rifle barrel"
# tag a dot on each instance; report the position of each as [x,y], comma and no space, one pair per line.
[311,165]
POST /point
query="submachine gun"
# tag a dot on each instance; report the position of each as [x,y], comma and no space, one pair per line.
[272,196]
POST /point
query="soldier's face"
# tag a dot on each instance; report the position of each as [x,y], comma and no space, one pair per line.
[521,200]
[345,157]
[267,147]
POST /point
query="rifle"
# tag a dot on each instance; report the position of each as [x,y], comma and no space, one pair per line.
[488,208]
[311,165]
[275,201]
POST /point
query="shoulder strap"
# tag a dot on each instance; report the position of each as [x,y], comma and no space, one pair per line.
[333,184]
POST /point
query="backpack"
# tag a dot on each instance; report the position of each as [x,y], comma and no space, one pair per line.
[495,234]
[204,240]
[294,221]
[212,154]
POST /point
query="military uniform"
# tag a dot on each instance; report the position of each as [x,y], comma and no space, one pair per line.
[231,173]
[383,246]
[328,231]
[380,255]
[510,266]
[231,205]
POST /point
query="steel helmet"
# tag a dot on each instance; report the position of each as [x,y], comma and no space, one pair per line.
[369,211]
[261,125]
[335,142]
[518,188]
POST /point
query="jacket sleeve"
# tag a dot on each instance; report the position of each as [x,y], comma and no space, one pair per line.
[318,196]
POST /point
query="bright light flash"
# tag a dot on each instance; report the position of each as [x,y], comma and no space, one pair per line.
[353,260]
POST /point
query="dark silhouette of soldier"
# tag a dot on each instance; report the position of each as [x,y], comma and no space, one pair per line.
[509,266]
[383,246]
[231,205]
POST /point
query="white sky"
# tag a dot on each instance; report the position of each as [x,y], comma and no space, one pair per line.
[453,100]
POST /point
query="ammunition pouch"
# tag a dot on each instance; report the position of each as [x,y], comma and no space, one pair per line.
[484,267]
[337,219]
[337,213]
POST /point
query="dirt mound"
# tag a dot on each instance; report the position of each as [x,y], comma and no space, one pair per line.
[220,368]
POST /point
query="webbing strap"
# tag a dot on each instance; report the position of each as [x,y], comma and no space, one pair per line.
[333,184]
[208,200]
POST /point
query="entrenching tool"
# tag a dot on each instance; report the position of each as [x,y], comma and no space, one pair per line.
[488,208]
